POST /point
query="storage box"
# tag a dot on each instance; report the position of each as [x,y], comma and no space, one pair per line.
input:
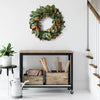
[34,80]
[54,78]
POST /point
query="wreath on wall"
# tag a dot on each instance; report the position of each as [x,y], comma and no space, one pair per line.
[49,11]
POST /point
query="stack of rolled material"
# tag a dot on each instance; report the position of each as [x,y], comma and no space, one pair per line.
[34,72]
[44,64]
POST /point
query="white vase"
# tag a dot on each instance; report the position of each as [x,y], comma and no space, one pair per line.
[6,60]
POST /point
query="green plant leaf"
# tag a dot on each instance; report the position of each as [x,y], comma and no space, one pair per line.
[4,47]
[6,50]
[1,55]
[9,46]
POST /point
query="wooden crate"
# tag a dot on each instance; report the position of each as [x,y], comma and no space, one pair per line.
[54,78]
[34,80]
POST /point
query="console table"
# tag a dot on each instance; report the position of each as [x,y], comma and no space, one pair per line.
[68,53]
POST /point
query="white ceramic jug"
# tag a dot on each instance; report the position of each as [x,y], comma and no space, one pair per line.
[16,87]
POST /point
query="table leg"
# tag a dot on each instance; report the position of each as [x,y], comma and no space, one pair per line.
[12,71]
[71,74]
[21,67]
[69,71]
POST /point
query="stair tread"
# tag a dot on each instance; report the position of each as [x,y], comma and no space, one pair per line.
[87,49]
[92,65]
[97,75]
[90,57]
[98,85]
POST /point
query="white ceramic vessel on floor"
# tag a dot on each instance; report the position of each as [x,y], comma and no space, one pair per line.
[16,87]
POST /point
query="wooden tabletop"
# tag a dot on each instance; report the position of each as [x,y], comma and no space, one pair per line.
[46,51]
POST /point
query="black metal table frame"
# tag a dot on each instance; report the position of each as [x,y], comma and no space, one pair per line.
[70,73]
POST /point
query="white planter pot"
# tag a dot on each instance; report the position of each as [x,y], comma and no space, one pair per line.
[6,60]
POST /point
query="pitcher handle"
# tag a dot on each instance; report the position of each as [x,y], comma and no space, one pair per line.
[11,82]
[25,83]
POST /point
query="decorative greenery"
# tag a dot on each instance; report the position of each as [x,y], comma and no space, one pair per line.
[40,14]
[7,51]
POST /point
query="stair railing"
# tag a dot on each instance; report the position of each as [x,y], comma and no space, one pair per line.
[93,39]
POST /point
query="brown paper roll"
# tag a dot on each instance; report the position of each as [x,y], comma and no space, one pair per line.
[67,66]
[45,64]
[60,66]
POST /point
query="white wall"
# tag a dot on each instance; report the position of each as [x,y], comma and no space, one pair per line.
[14,28]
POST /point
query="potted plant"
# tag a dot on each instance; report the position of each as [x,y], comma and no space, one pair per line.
[6,53]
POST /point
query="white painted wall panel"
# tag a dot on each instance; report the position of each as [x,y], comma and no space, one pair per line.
[14,28]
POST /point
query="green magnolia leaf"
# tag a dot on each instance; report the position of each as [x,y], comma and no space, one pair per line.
[42,8]
[53,21]
[62,27]
[36,33]
[58,27]
[31,15]
[57,13]
[48,38]
[47,14]
[35,23]
[55,34]
[31,21]
[50,9]
[55,10]
[32,12]
[52,31]
[39,11]
[53,7]
[44,36]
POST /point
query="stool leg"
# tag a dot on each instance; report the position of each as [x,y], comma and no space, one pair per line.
[7,71]
[12,71]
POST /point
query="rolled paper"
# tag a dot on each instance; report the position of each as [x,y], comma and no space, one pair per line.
[67,66]
[60,66]
[45,64]
[57,64]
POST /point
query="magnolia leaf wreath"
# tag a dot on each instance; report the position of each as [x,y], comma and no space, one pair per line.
[41,13]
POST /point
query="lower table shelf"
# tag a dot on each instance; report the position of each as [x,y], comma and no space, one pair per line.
[47,86]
